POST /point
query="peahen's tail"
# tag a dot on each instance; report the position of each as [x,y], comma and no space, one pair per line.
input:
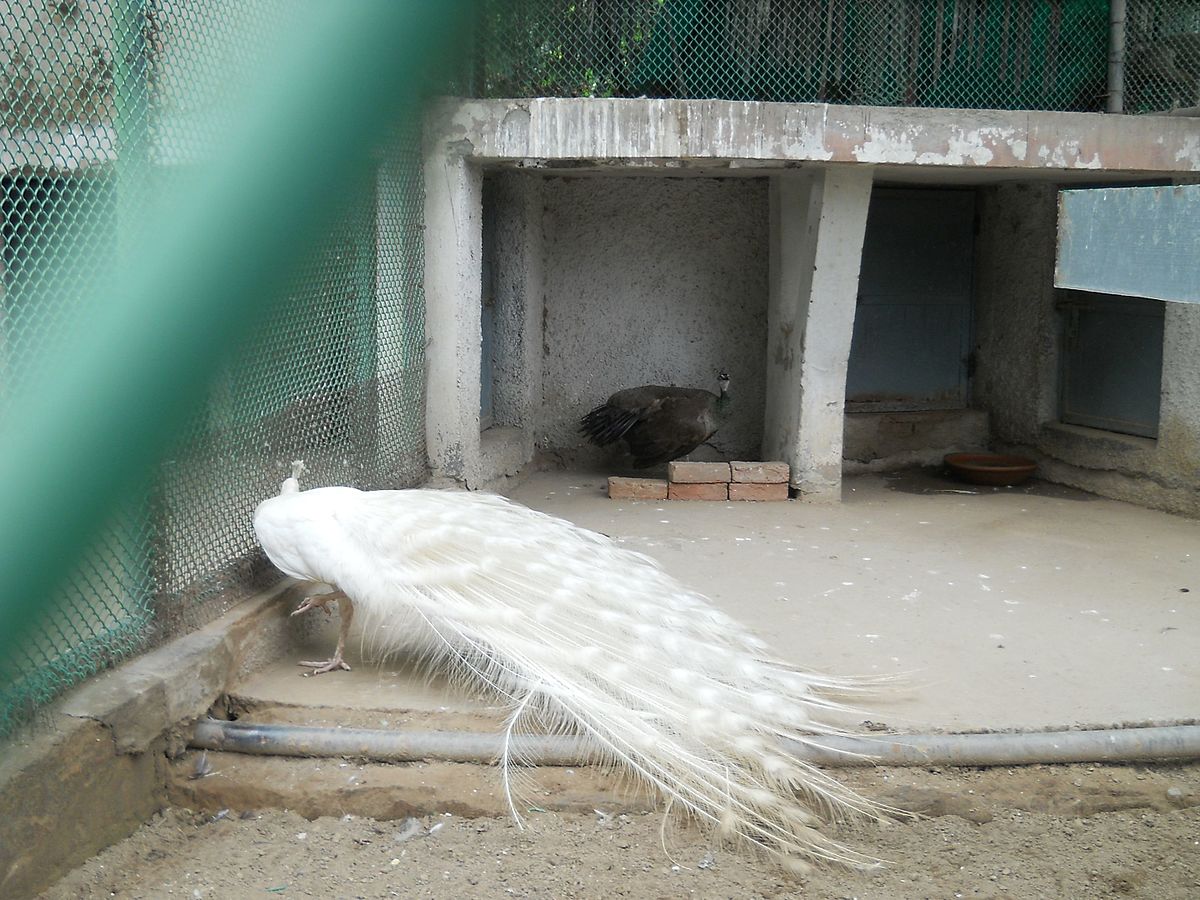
[605,424]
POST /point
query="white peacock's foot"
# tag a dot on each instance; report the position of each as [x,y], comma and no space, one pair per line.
[347,610]
[328,665]
[316,601]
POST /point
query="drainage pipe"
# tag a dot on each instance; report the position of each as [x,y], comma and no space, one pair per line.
[1005,749]
[1116,57]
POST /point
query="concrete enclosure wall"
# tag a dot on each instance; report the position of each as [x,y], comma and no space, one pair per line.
[516,289]
[1016,380]
[631,243]
[653,281]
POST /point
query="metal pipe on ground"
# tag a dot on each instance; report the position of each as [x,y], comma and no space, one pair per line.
[1004,749]
[383,746]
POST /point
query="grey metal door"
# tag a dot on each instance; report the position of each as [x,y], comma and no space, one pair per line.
[1111,362]
[912,328]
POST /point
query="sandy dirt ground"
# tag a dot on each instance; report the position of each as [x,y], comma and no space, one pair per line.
[1064,831]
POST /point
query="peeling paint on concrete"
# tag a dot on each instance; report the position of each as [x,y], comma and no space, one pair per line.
[804,142]
[1069,154]
[956,149]
[968,149]
[1189,152]
[691,132]
[883,147]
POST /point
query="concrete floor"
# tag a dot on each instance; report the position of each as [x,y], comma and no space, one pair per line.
[1028,607]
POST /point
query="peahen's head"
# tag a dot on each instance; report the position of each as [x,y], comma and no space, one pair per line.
[723,387]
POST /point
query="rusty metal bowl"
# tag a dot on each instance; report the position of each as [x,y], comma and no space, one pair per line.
[998,469]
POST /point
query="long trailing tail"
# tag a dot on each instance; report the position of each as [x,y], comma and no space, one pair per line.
[580,635]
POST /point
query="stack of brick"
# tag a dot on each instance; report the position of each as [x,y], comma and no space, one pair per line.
[707,481]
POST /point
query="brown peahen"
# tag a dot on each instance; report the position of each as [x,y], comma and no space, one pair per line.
[658,423]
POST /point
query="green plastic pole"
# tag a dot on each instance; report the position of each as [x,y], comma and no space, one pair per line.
[108,404]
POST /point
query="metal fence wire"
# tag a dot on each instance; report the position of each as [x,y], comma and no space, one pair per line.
[1162,67]
[104,101]
[101,103]
[998,54]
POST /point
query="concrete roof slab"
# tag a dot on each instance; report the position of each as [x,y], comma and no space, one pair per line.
[547,132]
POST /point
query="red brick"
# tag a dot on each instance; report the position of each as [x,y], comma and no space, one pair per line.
[636,488]
[760,472]
[744,491]
[698,472]
[697,491]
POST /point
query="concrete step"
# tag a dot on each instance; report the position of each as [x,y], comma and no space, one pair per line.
[323,787]
[240,784]
[387,696]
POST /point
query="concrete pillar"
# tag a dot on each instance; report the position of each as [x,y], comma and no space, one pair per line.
[818,219]
[453,244]
[1014,309]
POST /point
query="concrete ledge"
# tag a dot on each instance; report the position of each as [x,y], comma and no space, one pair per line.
[141,699]
[681,133]
[1118,466]
[1180,499]
[895,440]
[312,787]
[93,768]
[67,795]
[1094,448]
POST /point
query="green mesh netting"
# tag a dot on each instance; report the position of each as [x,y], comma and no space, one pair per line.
[102,102]
[1002,54]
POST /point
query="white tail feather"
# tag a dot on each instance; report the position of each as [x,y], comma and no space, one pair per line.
[580,634]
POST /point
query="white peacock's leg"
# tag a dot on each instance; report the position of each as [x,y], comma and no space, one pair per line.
[346,610]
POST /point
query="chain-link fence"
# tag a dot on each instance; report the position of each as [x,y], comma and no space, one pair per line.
[102,102]
[1162,55]
[1000,54]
